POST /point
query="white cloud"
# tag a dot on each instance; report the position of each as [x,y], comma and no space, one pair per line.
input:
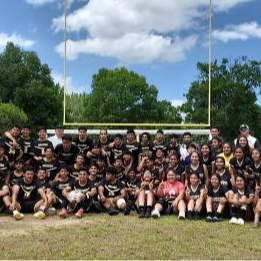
[238,32]
[177,102]
[137,31]
[16,39]
[71,87]
[40,2]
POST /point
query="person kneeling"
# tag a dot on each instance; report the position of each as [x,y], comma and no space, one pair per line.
[171,194]
[28,196]
[112,193]
[80,193]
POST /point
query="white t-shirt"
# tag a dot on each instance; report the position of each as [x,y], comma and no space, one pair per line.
[55,140]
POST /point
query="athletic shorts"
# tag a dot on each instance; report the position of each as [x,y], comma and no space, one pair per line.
[27,206]
[166,204]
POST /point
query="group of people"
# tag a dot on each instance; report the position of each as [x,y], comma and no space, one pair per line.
[152,177]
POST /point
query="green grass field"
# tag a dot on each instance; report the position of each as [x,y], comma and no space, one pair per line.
[104,237]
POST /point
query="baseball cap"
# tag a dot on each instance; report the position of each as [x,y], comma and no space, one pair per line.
[243,127]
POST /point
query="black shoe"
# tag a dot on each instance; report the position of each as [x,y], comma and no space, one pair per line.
[169,211]
[141,214]
[209,219]
[113,211]
[127,209]
[215,219]
[189,215]
[97,207]
[147,214]
[196,216]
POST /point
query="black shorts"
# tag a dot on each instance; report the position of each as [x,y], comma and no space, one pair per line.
[27,206]
[166,204]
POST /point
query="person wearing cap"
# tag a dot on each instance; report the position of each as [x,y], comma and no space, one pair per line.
[133,146]
[112,193]
[252,141]
[67,151]
[57,138]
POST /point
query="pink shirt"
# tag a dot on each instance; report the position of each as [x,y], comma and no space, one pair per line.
[171,191]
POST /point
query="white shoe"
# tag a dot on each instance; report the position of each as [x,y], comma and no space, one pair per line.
[182,215]
[51,211]
[241,222]
[233,220]
[155,213]
[39,214]
[17,215]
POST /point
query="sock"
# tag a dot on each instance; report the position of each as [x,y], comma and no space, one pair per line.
[242,213]
[233,212]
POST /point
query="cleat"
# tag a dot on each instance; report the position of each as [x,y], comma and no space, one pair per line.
[63,213]
[79,213]
[39,214]
[18,216]
[233,220]
[241,222]
[155,214]
[113,211]
[208,219]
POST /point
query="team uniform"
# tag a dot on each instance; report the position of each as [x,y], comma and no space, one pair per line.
[135,149]
[74,171]
[225,179]
[163,146]
[178,169]
[112,190]
[121,176]
[51,167]
[28,148]
[11,152]
[146,149]
[83,146]
[66,156]
[15,178]
[4,166]
[256,171]
[39,147]
[216,195]
[199,171]
[195,192]
[117,152]
[28,195]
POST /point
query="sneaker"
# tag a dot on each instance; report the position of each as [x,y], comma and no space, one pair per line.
[79,213]
[169,211]
[39,214]
[63,213]
[215,219]
[155,213]
[181,215]
[147,214]
[208,219]
[17,215]
[241,222]
[51,211]
[142,214]
[189,215]
[254,225]
[233,220]
[196,216]
[113,211]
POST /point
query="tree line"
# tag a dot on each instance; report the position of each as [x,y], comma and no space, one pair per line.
[28,94]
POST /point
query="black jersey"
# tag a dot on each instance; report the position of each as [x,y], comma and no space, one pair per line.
[101,174]
[45,185]
[179,171]
[199,170]
[39,147]
[28,191]
[208,162]
[117,152]
[256,168]
[146,149]
[159,164]
[14,178]
[66,156]
[11,152]
[112,189]
[155,176]
[2,180]
[83,146]
[195,192]
[74,171]
[4,165]
[135,149]
[133,185]
[58,186]
[225,179]
[96,182]
[28,148]
[217,194]
[240,166]
[50,166]
[105,145]
[173,148]
[120,175]
[75,185]
[163,146]
[246,192]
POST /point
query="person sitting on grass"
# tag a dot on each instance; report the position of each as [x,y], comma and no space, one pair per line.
[4,191]
[170,194]
[146,195]
[112,193]
[242,201]
[28,196]
[62,181]
[216,199]
[80,193]
[194,197]
[257,204]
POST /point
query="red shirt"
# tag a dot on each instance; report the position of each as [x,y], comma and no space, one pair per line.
[171,191]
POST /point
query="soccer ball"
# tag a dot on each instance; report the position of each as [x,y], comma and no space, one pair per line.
[74,196]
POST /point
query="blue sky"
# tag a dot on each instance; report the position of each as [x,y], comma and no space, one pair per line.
[162,40]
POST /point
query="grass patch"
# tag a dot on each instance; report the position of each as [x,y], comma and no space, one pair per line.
[104,237]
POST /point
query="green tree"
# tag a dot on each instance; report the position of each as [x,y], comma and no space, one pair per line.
[28,84]
[9,115]
[233,91]
[122,96]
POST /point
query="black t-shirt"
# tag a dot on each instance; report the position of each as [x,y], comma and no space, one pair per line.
[28,191]
[175,148]
[240,166]
[4,165]
[163,146]
[133,185]
[112,189]
[96,182]
[155,176]
[45,185]
[14,179]
[105,145]
[66,156]
[11,152]
[120,175]
[199,170]
[2,180]
[208,162]
[135,149]
[101,174]
[74,172]
[256,171]
[50,166]
[146,149]
[217,194]
[28,148]
[83,146]
[195,193]
[39,147]
[245,192]
[117,152]
[75,185]
[58,186]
